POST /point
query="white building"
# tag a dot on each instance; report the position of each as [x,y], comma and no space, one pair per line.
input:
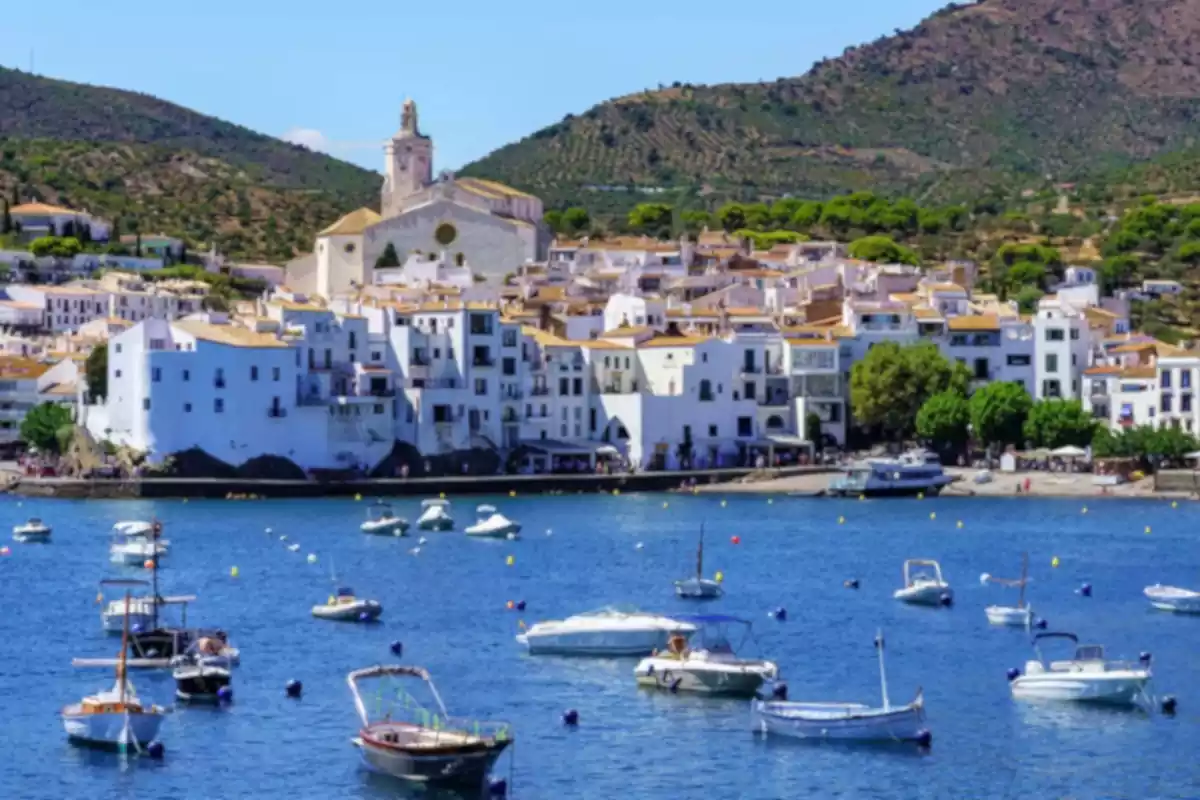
[25,383]
[1062,344]
[493,227]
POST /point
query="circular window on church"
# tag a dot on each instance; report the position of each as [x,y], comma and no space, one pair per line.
[445,234]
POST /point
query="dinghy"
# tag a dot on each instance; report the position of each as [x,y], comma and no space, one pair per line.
[433,747]
[923,588]
[845,721]
[1173,598]
[493,524]
[345,607]
[381,521]
[435,516]
[32,531]
[699,587]
[199,683]
[1019,615]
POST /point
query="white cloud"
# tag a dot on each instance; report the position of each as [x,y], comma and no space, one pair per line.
[311,138]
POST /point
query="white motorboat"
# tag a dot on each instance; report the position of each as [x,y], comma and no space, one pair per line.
[491,523]
[382,521]
[138,529]
[434,747]
[136,551]
[1087,677]
[915,472]
[922,587]
[345,607]
[1020,615]
[607,632]
[699,587]
[32,531]
[1173,598]
[208,651]
[141,609]
[115,718]
[845,721]
[435,516]
[712,667]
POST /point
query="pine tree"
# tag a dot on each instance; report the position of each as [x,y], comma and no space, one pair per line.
[16,198]
[6,222]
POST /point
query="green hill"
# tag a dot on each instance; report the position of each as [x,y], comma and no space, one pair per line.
[159,166]
[1000,93]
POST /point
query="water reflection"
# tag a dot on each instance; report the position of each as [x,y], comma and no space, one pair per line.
[1050,714]
[375,786]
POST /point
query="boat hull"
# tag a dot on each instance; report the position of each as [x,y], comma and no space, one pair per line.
[200,684]
[485,532]
[698,589]
[393,527]
[1119,688]
[1010,616]
[1172,598]
[596,642]
[363,611]
[437,522]
[459,766]
[114,622]
[32,535]
[833,722]
[923,595]
[109,730]
[703,677]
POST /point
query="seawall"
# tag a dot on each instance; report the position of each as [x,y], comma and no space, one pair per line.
[384,487]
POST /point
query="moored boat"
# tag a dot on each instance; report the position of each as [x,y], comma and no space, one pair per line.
[141,611]
[434,747]
[382,521]
[435,516]
[1020,615]
[492,524]
[200,683]
[607,632]
[710,666]
[699,587]
[845,721]
[913,473]
[32,531]
[345,607]
[924,584]
[1173,598]
[1087,677]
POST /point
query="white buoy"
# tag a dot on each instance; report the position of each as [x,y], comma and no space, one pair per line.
[422,540]
[638,546]
[283,538]
[416,551]
[312,558]
[293,547]
[549,532]
[269,530]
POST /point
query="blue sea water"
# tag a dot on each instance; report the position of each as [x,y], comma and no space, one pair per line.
[447,605]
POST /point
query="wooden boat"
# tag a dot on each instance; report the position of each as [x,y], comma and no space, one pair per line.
[116,718]
[846,721]
[436,747]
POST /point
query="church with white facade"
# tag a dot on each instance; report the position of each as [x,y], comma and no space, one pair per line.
[466,221]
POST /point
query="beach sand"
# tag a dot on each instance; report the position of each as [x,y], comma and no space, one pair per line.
[1041,484]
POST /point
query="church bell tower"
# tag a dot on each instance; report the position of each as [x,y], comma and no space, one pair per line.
[408,162]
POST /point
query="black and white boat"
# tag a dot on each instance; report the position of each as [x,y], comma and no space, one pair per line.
[915,472]
[196,682]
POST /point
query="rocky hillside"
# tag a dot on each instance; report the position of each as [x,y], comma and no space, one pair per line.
[160,166]
[1000,92]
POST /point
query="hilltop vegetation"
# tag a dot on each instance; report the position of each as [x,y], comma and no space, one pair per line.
[157,166]
[993,95]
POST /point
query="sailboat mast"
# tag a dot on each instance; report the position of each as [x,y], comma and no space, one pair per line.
[1024,577]
[882,671]
[700,555]
[124,650]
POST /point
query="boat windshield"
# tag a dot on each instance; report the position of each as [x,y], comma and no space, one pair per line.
[434,502]
[716,632]
[1089,652]
[484,511]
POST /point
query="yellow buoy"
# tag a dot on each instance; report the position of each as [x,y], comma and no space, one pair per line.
[920,495]
[723,504]
[1084,509]
[841,520]
[331,600]
[510,561]
[616,492]
[1147,529]
[1054,561]
[960,523]
[933,515]
[720,576]
[442,495]
[357,498]
[1174,504]
[233,572]
[664,505]
[512,492]
[862,497]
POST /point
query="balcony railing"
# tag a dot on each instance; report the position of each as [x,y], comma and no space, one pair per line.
[381,393]
[431,383]
[614,388]
[483,361]
[540,391]
[419,361]
[751,369]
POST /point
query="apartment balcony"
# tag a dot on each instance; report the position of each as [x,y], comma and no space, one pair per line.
[540,391]
[380,393]
[419,361]
[774,401]
[613,388]
[483,361]
[751,369]
[430,383]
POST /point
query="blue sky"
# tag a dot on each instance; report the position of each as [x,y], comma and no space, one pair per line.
[482,73]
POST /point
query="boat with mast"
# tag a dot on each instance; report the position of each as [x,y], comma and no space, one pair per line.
[699,587]
[141,611]
[846,721]
[116,718]
[1020,615]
